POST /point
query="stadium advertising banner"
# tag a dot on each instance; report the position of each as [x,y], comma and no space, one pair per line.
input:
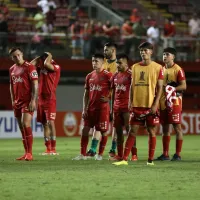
[9,127]
[69,124]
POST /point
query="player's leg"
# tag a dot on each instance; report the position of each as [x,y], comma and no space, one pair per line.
[179,142]
[95,140]
[26,122]
[112,151]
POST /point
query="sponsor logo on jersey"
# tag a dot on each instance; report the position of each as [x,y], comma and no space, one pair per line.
[120,87]
[95,87]
[17,79]
[44,71]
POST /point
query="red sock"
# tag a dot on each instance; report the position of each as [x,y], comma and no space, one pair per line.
[166,141]
[29,138]
[134,151]
[53,145]
[48,145]
[102,145]
[152,146]
[84,143]
[129,144]
[24,142]
[178,146]
[120,150]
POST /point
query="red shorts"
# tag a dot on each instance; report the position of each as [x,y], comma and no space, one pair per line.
[98,119]
[22,109]
[173,117]
[118,118]
[46,111]
[150,120]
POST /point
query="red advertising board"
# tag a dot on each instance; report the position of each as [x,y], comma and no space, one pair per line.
[69,124]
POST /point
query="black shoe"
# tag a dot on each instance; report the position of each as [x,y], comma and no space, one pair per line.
[162,158]
[112,153]
[90,153]
[176,158]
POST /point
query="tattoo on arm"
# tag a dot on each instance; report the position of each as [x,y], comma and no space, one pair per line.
[34,90]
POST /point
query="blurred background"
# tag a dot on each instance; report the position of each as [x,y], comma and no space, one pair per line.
[73,30]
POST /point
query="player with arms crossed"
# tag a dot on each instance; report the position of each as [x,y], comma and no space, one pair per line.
[96,106]
[46,112]
[174,77]
[23,90]
[120,85]
[145,92]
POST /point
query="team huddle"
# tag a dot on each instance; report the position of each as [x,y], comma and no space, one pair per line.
[147,94]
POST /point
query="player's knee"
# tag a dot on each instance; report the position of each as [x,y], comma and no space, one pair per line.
[178,130]
[85,131]
[26,124]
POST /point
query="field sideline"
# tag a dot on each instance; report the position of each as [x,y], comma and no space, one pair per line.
[60,178]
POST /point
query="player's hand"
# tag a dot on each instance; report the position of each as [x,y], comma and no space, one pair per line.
[84,114]
[129,106]
[104,99]
[32,106]
[154,109]
[13,104]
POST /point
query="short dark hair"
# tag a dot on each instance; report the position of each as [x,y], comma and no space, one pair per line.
[98,55]
[146,45]
[13,49]
[110,44]
[122,55]
[170,50]
[44,56]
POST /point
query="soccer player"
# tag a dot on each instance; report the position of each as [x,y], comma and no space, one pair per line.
[23,91]
[46,112]
[175,77]
[120,85]
[96,105]
[109,65]
[145,92]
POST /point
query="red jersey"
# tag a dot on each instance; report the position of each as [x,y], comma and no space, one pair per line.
[49,81]
[121,82]
[98,84]
[21,78]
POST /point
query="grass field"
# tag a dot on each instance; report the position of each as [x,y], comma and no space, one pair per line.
[61,178]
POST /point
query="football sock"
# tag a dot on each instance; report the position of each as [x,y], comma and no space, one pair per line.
[129,144]
[134,150]
[29,138]
[178,146]
[166,141]
[114,145]
[84,143]
[152,146]
[102,145]
[24,141]
[53,143]
[47,143]
[94,145]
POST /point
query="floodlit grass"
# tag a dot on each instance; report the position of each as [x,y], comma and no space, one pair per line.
[61,178]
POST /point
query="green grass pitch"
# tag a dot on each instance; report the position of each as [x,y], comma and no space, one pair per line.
[61,178]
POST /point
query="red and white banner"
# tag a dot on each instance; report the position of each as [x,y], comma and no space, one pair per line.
[69,124]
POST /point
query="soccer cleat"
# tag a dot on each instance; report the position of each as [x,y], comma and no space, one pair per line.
[22,157]
[150,163]
[90,154]
[134,158]
[112,153]
[80,157]
[28,157]
[54,153]
[46,153]
[176,158]
[123,162]
[115,158]
[98,157]
[162,158]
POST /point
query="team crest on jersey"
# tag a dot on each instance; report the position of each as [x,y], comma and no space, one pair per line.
[34,74]
[142,76]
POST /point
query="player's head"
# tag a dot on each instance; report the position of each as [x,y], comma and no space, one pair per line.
[110,50]
[44,56]
[122,62]
[169,54]
[97,61]
[146,50]
[16,55]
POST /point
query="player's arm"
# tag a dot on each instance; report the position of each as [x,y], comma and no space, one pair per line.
[12,95]
[47,62]
[85,103]
[182,86]
[130,96]
[35,61]
[34,95]
[159,88]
